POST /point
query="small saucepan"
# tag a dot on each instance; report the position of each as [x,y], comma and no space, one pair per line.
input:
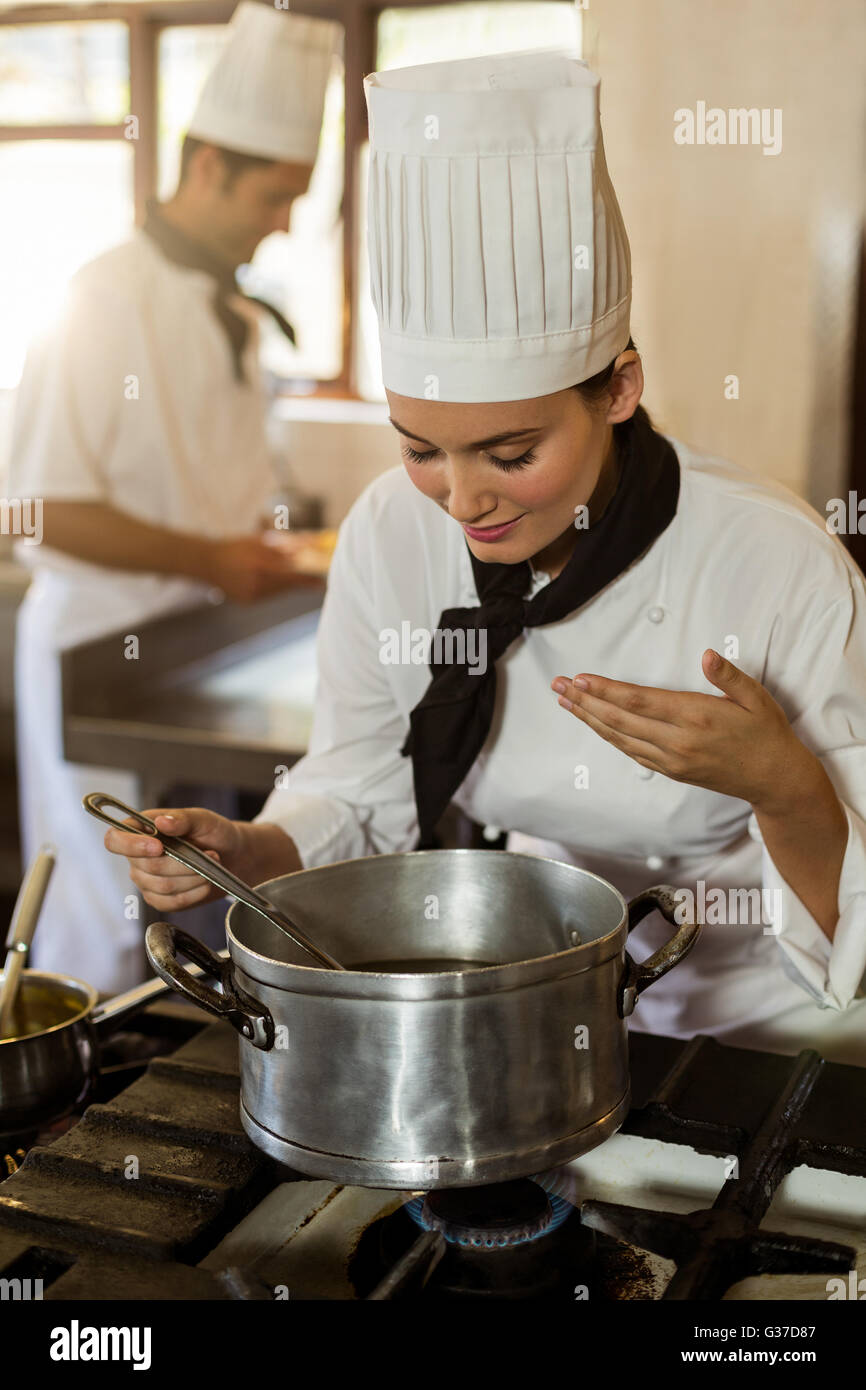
[49,1059]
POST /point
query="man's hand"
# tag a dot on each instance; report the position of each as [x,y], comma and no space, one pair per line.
[245,568]
[741,745]
[250,568]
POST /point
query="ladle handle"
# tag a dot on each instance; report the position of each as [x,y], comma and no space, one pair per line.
[193,858]
[25,915]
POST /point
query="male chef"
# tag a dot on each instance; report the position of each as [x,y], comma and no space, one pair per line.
[140,429]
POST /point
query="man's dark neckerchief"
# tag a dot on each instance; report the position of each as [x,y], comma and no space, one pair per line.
[183,250]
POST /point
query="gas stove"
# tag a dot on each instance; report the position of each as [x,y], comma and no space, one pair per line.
[738,1175]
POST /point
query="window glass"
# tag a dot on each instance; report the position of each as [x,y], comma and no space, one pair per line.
[436,33]
[301,270]
[72,200]
[64,74]
[185,56]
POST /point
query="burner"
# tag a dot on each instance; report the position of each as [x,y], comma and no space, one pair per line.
[497,1216]
[513,1240]
[15,1147]
[12,1154]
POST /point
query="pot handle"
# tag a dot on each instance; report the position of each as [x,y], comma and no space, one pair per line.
[252,1020]
[639,975]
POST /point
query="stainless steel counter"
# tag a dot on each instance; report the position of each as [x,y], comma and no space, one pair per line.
[13,586]
[221,694]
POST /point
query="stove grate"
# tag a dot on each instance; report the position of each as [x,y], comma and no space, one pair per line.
[716,1247]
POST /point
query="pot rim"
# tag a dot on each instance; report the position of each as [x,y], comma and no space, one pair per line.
[483,971]
[91,994]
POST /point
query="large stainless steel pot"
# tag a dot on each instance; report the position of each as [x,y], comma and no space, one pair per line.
[383,1077]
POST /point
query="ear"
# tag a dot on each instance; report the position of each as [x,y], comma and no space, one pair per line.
[207,166]
[625,387]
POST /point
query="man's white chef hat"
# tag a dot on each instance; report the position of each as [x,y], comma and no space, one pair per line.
[499,263]
[266,92]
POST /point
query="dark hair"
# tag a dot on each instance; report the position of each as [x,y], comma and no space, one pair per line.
[235,162]
[595,387]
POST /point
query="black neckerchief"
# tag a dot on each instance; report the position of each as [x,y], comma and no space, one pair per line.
[181,249]
[451,722]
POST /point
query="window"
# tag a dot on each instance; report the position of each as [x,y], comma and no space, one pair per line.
[52,74]
[437,33]
[64,200]
[301,270]
[68,157]
[71,200]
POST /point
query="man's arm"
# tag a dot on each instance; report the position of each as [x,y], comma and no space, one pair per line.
[103,535]
[244,567]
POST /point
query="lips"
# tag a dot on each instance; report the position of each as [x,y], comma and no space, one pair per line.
[492,533]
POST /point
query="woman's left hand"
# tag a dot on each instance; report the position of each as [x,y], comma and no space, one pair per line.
[741,745]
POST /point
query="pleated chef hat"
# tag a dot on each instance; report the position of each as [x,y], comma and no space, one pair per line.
[499,263]
[266,92]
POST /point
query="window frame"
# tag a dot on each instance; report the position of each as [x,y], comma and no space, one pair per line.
[146,20]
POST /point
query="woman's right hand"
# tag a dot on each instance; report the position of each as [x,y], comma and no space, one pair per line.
[163,883]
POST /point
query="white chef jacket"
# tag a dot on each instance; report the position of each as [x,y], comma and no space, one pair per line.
[743,557]
[130,400]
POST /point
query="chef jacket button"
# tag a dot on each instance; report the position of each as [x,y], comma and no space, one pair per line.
[645,771]
[656,614]
[491,832]
[655,861]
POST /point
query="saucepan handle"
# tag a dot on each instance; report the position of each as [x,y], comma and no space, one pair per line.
[639,975]
[163,942]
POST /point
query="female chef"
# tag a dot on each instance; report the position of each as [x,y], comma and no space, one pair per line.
[642,659]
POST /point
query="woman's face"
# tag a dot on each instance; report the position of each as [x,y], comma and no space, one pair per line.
[510,472]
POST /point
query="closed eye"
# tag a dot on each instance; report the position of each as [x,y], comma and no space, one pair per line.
[507,465]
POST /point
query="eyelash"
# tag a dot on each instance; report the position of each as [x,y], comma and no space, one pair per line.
[506,465]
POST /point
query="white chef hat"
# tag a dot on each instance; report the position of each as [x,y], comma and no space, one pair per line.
[499,263]
[266,92]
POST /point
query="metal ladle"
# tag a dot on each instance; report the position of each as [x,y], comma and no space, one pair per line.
[193,858]
[24,918]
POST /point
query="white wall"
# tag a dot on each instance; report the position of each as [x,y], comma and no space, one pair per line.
[742,262]
[334,448]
